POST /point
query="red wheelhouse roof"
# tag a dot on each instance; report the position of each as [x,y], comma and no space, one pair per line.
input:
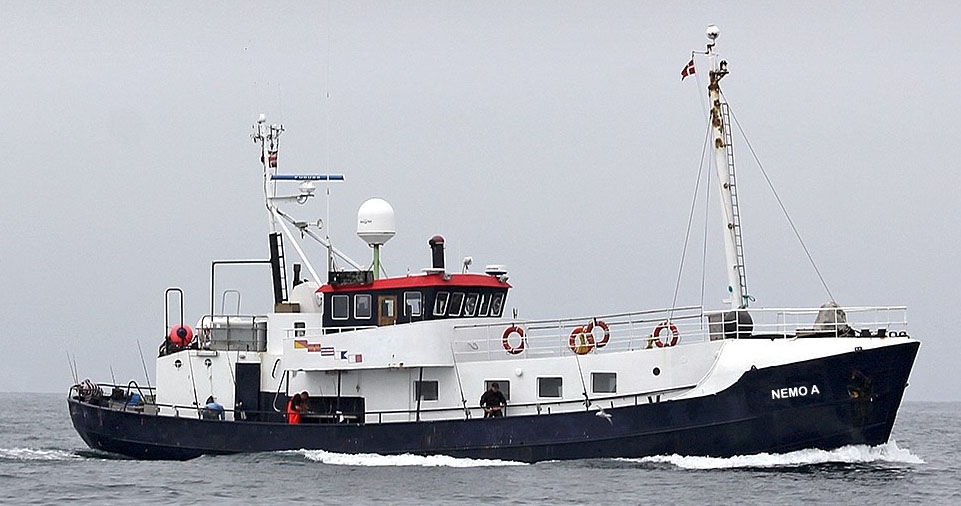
[421,281]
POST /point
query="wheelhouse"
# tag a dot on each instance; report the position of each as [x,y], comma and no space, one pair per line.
[351,303]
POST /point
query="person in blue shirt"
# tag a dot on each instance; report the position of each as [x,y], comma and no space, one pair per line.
[214,409]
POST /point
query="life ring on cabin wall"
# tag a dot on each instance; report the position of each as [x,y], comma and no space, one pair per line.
[582,339]
[514,350]
[666,325]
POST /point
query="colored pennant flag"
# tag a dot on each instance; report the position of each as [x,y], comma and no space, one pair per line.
[272,155]
[688,69]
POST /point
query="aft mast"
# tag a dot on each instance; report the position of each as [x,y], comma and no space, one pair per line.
[724,161]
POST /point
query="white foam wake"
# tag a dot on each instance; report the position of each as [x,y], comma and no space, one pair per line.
[858,454]
[375,460]
[36,454]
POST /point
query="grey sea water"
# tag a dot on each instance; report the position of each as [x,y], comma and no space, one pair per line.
[43,461]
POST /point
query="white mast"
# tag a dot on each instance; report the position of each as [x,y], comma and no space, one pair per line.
[268,137]
[724,161]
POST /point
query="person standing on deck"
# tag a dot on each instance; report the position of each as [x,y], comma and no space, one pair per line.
[293,409]
[493,401]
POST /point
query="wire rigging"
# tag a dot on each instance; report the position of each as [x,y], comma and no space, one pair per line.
[690,219]
[781,204]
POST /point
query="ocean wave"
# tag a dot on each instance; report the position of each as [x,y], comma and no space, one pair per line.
[856,454]
[405,460]
[22,454]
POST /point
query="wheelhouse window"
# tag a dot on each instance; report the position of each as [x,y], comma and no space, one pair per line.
[604,382]
[426,390]
[456,302]
[412,304]
[470,304]
[440,303]
[550,387]
[497,304]
[362,306]
[485,304]
[340,307]
[503,385]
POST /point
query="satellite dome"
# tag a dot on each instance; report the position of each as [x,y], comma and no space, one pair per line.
[375,221]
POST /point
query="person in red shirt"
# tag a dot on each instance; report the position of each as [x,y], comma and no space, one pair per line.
[293,409]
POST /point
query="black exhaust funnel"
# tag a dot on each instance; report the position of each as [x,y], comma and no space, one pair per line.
[437,251]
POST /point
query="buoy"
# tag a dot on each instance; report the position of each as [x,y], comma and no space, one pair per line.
[181,335]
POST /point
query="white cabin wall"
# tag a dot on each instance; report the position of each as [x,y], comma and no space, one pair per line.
[191,383]
[280,326]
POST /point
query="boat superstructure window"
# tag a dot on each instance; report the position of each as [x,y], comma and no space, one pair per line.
[485,303]
[497,304]
[362,306]
[503,385]
[340,307]
[550,387]
[456,302]
[470,304]
[412,304]
[604,382]
[426,390]
[440,303]
[299,329]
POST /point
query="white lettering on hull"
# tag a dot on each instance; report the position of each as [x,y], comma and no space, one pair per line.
[799,391]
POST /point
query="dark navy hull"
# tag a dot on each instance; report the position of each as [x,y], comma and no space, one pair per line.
[857,400]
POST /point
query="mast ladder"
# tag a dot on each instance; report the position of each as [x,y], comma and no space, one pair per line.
[736,218]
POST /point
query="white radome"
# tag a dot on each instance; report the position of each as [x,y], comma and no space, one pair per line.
[375,221]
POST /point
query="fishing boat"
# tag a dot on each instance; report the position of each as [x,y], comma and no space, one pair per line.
[397,365]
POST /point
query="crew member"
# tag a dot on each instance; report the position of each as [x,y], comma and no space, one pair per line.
[214,409]
[293,409]
[493,401]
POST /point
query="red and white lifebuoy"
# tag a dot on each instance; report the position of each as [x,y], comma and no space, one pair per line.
[607,333]
[582,339]
[666,325]
[514,350]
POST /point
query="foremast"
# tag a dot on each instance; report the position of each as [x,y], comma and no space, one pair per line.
[724,162]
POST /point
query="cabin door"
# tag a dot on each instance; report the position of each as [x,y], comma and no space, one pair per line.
[386,310]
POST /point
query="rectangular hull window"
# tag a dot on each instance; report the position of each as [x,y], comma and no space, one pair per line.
[550,388]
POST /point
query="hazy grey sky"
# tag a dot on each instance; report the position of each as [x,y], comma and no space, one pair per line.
[553,137]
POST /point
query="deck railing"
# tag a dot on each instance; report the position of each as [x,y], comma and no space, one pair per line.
[665,328]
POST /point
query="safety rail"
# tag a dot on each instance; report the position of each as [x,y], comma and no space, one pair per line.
[665,328]
[315,332]
[233,332]
[539,407]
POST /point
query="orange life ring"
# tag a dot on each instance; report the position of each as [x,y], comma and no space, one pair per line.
[674,334]
[607,333]
[514,350]
[582,339]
